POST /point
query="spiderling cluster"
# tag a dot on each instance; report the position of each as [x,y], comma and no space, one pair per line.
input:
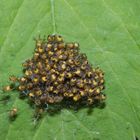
[57,72]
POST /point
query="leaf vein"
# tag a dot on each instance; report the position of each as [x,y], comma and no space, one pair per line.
[10,27]
[123,24]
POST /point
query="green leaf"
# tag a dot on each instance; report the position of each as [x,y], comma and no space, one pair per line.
[108,32]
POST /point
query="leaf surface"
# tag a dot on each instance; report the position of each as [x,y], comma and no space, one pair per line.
[108,32]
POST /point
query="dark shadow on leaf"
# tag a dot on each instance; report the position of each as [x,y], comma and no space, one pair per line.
[5,99]
[55,109]
[11,119]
